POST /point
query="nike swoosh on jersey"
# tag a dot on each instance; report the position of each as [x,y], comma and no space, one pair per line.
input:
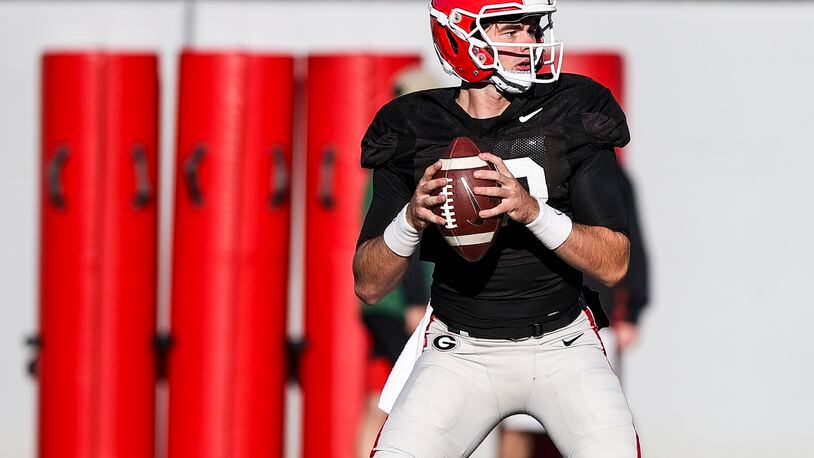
[530,115]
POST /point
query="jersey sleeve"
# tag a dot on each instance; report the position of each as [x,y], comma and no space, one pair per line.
[386,140]
[595,117]
[596,199]
[606,123]
[379,144]
[391,193]
[387,148]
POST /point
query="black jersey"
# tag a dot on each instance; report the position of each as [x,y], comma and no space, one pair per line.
[557,139]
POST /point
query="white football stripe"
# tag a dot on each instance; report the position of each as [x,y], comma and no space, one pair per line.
[471,239]
[462,163]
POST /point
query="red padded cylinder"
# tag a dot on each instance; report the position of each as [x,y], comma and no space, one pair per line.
[344,93]
[96,367]
[386,69]
[230,255]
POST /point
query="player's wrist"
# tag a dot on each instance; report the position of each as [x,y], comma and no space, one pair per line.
[400,236]
[410,215]
[532,211]
[551,226]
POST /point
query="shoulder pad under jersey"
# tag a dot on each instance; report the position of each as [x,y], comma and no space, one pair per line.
[392,133]
[595,113]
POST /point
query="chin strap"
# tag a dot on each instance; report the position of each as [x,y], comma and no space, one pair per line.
[508,86]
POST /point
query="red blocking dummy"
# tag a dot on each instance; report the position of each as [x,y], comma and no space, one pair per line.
[96,367]
[387,68]
[344,93]
[230,258]
[607,68]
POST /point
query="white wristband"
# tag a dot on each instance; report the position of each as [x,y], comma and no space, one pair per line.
[400,237]
[551,226]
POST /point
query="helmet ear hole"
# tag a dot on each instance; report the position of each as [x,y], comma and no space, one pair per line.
[452,42]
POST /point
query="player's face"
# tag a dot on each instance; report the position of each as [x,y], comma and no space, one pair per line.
[523,31]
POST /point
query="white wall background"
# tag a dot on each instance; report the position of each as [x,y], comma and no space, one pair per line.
[720,104]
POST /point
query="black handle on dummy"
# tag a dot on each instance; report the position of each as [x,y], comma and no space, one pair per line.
[326,178]
[53,177]
[141,168]
[295,348]
[162,344]
[279,178]
[34,342]
[190,170]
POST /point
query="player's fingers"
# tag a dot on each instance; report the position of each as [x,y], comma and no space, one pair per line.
[430,217]
[490,175]
[498,163]
[491,191]
[496,211]
[432,185]
[433,201]
[438,200]
[431,170]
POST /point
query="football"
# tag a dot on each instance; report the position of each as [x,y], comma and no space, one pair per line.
[465,231]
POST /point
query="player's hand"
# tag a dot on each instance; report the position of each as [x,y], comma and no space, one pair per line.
[419,210]
[626,334]
[516,202]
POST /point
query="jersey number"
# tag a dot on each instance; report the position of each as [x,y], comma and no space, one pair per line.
[525,167]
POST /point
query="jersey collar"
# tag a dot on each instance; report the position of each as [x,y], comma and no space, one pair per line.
[509,114]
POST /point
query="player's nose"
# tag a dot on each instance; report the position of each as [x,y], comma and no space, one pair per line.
[524,38]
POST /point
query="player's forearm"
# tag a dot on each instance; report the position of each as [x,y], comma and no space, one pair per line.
[377,270]
[597,251]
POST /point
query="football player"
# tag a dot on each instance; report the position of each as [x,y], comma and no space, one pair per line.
[514,332]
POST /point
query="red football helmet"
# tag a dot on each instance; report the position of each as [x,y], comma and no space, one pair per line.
[466,51]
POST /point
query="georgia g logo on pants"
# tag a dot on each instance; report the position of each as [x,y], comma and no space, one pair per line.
[445,343]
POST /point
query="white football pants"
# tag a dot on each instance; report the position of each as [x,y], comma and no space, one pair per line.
[462,387]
